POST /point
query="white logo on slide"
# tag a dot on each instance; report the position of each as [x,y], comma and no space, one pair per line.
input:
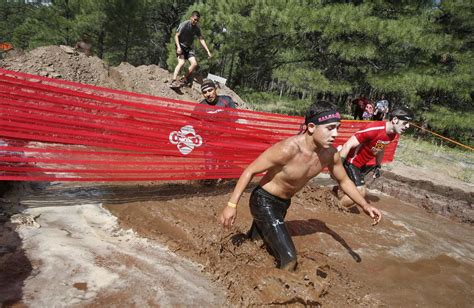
[186,139]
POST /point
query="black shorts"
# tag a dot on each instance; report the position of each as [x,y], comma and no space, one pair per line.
[186,52]
[355,174]
[268,212]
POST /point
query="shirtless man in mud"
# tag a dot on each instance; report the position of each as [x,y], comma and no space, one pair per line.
[368,143]
[288,166]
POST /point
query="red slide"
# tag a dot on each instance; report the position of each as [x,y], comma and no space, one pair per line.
[56,130]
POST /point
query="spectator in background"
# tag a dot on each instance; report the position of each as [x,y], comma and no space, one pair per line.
[359,107]
[368,112]
[381,109]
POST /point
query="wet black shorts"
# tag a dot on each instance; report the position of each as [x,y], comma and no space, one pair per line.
[268,212]
[354,174]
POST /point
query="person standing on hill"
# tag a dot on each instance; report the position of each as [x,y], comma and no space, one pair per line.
[84,45]
[184,39]
[288,165]
[368,143]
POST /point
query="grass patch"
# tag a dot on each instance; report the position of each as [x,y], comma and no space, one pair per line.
[271,102]
[455,163]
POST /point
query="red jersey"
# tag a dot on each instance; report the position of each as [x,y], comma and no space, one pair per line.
[372,139]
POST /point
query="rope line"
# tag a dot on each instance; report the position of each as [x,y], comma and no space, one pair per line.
[442,137]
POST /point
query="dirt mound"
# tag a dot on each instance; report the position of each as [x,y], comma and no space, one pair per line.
[65,63]
[448,201]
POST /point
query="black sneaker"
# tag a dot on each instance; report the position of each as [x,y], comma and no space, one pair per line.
[188,82]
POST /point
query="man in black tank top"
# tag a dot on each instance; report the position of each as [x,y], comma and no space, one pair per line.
[209,91]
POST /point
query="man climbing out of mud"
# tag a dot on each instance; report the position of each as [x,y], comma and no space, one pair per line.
[288,166]
[209,91]
[368,143]
[184,39]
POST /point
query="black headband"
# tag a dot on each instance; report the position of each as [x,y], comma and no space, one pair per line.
[324,118]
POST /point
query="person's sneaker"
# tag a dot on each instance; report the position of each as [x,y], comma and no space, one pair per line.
[174,84]
[188,82]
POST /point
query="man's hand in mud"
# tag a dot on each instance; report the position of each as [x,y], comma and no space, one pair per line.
[228,217]
[374,213]
[377,171]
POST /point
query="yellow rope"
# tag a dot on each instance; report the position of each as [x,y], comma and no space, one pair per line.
[438,135]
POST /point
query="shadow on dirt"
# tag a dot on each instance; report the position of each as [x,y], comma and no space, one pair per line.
[15,267]
[45,194]
[310,226]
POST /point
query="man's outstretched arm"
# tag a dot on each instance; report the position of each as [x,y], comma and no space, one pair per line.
[204,45]
[350,189]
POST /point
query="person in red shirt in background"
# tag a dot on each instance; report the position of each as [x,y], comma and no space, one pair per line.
[359,107]
[369,143]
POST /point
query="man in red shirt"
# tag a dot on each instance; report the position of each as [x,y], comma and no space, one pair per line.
[369,143]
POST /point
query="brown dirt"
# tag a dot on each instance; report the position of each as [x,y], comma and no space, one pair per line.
[65,63]
[436,193]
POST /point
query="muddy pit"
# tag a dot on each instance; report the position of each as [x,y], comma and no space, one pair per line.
[163,246]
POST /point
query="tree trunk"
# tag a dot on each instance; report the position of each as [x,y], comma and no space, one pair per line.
[231,68]
[100,44]
[126,45]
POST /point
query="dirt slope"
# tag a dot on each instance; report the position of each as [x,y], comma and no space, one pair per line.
[65,63]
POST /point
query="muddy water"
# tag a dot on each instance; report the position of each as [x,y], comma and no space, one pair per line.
[419,258]
[412,259]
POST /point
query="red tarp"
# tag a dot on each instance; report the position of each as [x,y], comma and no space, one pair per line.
[56,130]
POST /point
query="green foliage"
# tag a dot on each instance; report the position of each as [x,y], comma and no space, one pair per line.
[270,102]
[456,125]
[43,27]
